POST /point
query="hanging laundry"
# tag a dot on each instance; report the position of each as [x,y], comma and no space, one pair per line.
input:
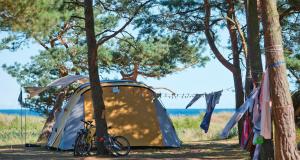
[258,139]
[239,113]
[211,100]
[246,131]
[256,116]
[265,106]
[256,120]
[256,152]
[196,97]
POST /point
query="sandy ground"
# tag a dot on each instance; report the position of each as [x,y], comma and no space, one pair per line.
[221,149]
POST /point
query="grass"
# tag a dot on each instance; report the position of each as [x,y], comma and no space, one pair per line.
[188,127]
[10,129]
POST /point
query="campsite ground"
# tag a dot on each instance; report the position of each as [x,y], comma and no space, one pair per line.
[205,149]
[197,144]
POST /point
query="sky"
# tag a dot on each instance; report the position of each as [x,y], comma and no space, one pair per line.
[213,77]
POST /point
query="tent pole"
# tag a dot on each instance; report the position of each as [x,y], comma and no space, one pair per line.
[25,120]
[21,124]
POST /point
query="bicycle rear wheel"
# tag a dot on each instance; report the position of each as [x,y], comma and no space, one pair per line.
[120,145]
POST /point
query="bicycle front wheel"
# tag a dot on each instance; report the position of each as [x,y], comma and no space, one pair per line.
[120,145]
[82,147]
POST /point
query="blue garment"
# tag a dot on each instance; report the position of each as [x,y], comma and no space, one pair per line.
[239,113]
[211,100]
[197,96]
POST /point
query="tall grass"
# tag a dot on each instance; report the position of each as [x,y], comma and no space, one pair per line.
[188,127]
[11,132]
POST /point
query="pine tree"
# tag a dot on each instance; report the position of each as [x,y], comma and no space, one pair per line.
[282,106]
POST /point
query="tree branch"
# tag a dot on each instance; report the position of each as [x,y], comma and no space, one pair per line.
[294,74]
[244,44]
[147,74]
[105,7]
[41,43]
[188,11]
[105,31]
[289,11]
[65,28]
[211,42]
[75,3]
[78,17]
[127,41]
[106,38]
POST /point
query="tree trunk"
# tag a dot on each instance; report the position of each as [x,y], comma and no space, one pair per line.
[132,76]
[233,68]
[253,41]
[254,57]
[237,76]
[98,103]
[282,106]
[47,129]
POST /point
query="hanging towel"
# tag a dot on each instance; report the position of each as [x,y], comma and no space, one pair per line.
[239,113]
[265,106]
[196,97]
[211,100]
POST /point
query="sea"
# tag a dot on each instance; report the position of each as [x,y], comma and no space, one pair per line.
[171,112]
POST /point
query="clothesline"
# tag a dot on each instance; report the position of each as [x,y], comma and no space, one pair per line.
[186,95]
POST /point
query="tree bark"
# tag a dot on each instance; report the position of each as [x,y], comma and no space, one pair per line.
[47,129]
[254,57]
[237,77]
[132,76]
[253,41]
[233,68]
[98,103]
[282,107]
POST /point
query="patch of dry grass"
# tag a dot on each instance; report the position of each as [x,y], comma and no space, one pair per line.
[11,133]
[188,127]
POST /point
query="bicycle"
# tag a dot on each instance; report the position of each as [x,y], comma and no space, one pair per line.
[116,145]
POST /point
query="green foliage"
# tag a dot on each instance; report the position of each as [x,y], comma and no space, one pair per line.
[290,23]
[24,19]
[155,57]
[57,26]
[46,67]
[186,18]
[293,64]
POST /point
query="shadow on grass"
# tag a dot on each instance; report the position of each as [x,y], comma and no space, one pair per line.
[219,149]
[203,150]
[21,152]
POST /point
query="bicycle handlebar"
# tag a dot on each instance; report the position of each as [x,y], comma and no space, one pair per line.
[88,123]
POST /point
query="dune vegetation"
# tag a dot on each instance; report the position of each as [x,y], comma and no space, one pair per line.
[11,132]
[187,128]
